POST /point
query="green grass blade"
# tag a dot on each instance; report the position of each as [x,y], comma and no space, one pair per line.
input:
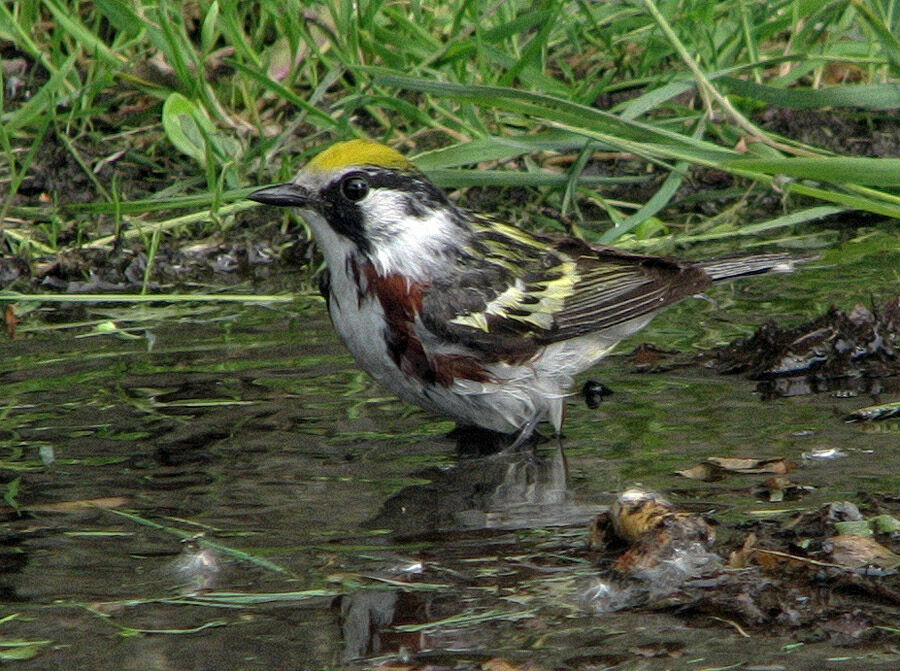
[203,542]
[869,201]
[552,109]
[42,102]
[320,118]
[836,169]
[865,96]
[495,148]
[787,221]
[889,40]
[82,35]
[464,178]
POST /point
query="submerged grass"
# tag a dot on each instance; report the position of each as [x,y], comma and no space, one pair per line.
[203,542]
[145,123]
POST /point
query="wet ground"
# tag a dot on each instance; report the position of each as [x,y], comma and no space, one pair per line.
[339,526]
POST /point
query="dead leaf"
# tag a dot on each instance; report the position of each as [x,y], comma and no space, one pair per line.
[11,321]
[715,468]
[637,511]
[843,73]
[767,560]
[859,551]
[650,354]
[749,465]
[703,471]
[108,607]
[745,555]
[655,530]
[779,488]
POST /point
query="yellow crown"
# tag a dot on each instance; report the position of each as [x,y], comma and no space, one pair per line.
[360,152]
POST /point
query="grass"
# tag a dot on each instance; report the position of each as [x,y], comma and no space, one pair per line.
[147,123]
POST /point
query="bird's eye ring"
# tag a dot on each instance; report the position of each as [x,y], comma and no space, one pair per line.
[354,188]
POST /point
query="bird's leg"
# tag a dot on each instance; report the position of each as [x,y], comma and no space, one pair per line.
[561,466]
[524,434]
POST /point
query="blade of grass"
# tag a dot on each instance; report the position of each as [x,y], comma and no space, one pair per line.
[707,90]
[22,39]
[889,39]
[204,542]
[18,297]
[532,50]
[42,102]
[169,224]
[493,148]
[870,201]
[838,169]
[787,221]
[82,35]
[553,109]
[464,178]
[321,118]
[865,96]
[244,599]
[658,200]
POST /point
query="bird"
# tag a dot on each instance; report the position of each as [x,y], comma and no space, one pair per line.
[465,315]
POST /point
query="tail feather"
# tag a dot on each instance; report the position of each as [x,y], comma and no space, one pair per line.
[740,266]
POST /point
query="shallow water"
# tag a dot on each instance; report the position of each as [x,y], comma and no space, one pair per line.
[339,523]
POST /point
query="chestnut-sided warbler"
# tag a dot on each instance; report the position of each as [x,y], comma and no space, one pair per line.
[462,314]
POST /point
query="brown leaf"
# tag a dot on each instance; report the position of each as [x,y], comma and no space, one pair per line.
[859,551]
[745,555]
[779,488]
[749,465]
[767,560]
[703,471]
[637,511]
[11,321]
[655,530]
[715,468]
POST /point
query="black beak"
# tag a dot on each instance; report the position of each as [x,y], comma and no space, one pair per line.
[284,195]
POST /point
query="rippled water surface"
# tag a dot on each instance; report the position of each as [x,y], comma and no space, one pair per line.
[338,523]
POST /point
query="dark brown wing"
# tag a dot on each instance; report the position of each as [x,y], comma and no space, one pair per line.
[615,287]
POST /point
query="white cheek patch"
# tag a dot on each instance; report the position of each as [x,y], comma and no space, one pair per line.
[405,242]
[384,214]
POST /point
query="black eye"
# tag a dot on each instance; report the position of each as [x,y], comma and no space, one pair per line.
[354,188]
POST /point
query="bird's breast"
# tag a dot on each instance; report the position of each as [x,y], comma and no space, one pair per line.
[379,319]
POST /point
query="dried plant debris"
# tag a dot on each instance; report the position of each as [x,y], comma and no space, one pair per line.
[664,548]
[779,488]
[775,489]
[717,468]
[11,321]
[855,352]
[812,575]
[873,412]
